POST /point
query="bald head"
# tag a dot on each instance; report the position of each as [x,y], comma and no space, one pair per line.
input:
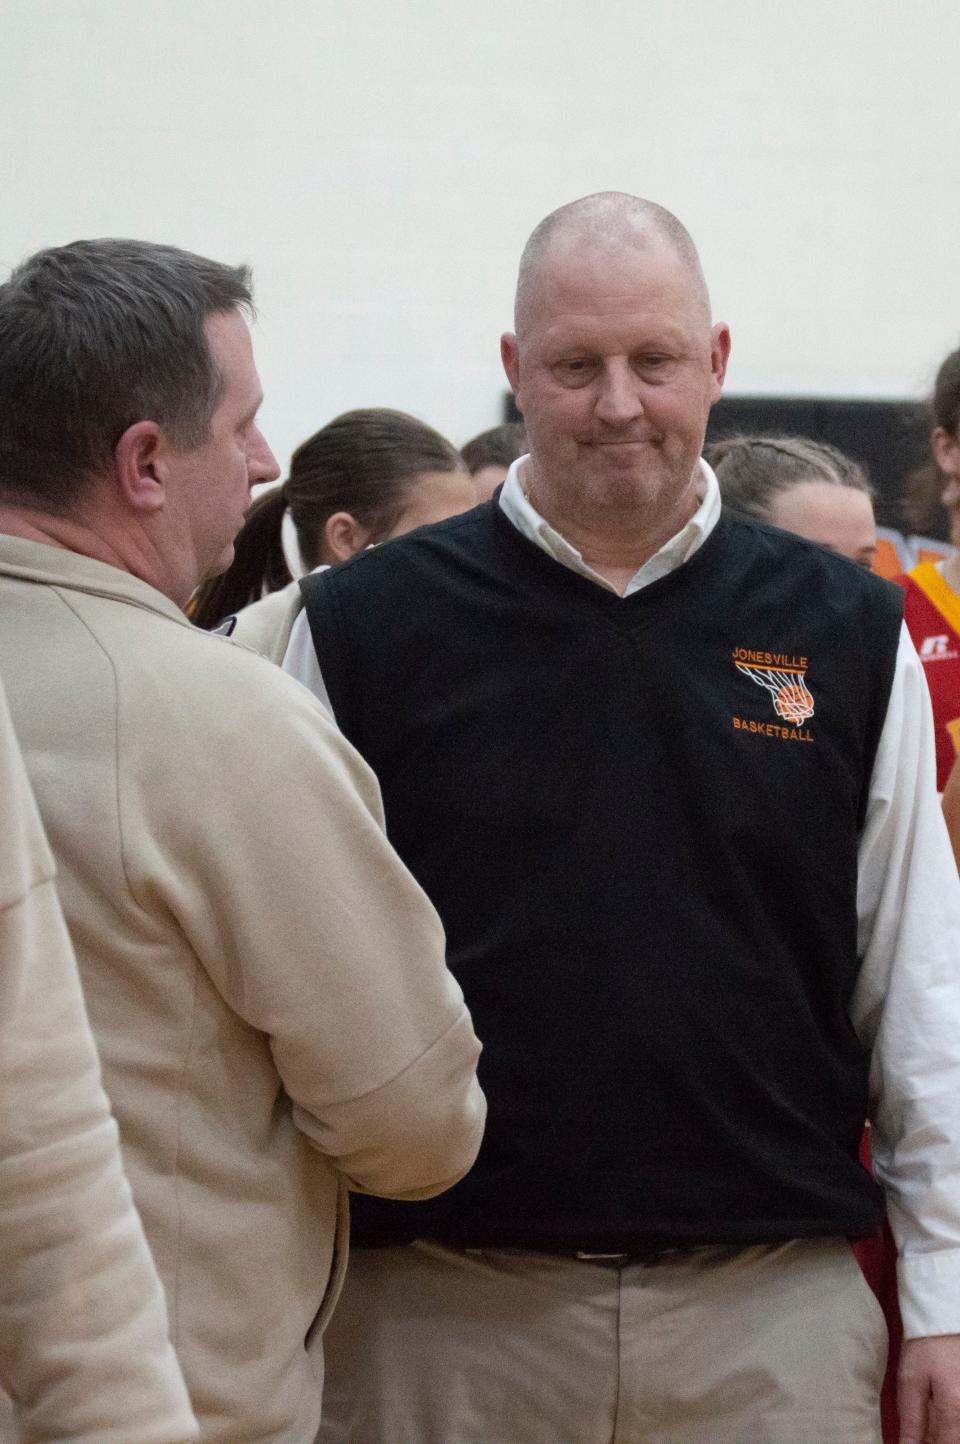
[608,221]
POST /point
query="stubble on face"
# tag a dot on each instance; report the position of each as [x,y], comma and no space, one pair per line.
[615,375]
[210,486]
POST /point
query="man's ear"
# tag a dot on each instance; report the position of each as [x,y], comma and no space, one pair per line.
[139,478]
[719,355]
[510,356]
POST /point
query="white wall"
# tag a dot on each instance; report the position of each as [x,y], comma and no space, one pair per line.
[380,162]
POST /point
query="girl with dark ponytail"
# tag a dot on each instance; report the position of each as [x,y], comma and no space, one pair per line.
[367,476]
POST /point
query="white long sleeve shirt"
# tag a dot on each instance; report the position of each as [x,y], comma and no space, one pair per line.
[906,1005]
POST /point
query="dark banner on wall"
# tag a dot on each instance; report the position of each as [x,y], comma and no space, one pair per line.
[889,438]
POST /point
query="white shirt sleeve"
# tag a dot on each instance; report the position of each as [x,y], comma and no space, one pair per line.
[300,660]
[906,1005]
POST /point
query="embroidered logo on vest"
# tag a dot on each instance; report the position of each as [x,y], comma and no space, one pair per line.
[784,677]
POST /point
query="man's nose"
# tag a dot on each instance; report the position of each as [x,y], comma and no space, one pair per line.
[262,465]
[618,399]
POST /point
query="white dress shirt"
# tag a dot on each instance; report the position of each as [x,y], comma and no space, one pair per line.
[906,1004]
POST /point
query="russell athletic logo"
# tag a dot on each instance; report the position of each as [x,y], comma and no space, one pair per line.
[936,649]
[782,675]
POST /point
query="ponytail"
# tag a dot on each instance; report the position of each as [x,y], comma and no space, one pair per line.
[362,462]
[258,565]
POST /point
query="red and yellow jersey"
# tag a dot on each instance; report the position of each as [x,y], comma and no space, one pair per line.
[932,614]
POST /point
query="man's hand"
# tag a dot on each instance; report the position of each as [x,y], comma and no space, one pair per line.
[929,1390]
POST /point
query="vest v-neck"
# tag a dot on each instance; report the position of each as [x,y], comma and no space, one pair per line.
[567,583]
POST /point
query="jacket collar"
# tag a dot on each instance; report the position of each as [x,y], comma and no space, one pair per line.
[51,566]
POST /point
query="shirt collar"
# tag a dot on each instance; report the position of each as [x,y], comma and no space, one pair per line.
[518,509]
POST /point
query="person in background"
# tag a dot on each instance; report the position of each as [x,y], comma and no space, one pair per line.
[265,981]
[84,1346]
[806,487]
[490,455]
[932,606]
[367,476]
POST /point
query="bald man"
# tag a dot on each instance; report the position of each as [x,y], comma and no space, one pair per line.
[666,774]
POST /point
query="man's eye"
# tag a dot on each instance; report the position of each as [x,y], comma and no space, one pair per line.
[577,368]
[656,365]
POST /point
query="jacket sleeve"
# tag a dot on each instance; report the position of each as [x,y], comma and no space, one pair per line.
[84,1349]
[316,934]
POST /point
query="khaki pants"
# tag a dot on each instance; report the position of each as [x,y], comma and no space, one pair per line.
[782,1344]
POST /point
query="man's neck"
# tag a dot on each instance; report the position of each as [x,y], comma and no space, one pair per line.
[126,550]
[68,533]
[615,543]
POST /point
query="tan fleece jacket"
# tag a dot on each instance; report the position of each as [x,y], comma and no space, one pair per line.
[84,1348]
[266,982]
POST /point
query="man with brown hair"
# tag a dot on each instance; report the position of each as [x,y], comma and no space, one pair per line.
[265,981]
[84,1346]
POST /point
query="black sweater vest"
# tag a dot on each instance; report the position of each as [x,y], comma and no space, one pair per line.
[638,819]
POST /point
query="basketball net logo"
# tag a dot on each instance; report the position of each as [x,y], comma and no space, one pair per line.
[792,698]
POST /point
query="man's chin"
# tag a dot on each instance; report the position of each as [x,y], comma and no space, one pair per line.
[222,564]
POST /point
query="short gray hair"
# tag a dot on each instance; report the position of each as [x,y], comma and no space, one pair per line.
[612,219]
[95,336]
